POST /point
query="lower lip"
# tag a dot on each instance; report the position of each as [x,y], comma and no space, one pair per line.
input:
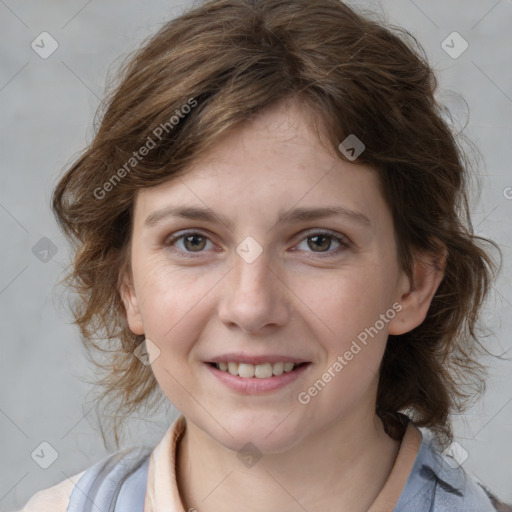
[255,386]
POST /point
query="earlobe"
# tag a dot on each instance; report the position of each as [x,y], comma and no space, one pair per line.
[131,305]
[416,293]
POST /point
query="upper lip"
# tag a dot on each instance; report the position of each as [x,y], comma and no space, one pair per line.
[256,359]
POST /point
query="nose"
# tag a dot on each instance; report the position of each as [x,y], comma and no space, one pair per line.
[254,296]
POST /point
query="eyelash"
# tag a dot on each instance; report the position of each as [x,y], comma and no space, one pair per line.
[342,240]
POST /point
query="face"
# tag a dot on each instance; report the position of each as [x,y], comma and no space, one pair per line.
[256,269]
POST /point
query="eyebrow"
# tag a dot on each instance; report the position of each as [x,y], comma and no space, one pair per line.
[288,217]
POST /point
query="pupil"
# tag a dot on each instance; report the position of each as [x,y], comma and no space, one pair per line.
[316,238]
[191,237]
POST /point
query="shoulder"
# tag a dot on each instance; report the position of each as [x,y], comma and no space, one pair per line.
[437,483]
[53,499]
[103,481]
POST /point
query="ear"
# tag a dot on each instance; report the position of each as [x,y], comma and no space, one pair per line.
[415,295]
[130,301]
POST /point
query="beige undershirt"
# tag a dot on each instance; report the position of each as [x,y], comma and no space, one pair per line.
[388,497]
[163,495]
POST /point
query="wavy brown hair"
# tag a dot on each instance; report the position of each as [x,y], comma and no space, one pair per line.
[353,75]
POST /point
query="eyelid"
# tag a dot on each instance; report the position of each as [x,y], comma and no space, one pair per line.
[324,231]
[184,232]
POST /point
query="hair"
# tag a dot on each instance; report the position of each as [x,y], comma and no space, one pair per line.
[218,65]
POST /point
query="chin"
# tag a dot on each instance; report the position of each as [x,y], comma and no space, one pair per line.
[268,433]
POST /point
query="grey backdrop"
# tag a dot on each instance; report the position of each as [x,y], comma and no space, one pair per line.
[47,107]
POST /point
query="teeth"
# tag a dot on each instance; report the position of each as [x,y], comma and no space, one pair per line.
[288,367]
[232,368]
[278,368]
[263,371]
[260,371]
[246,370]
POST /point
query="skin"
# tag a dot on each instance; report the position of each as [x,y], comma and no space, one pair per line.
[302,297]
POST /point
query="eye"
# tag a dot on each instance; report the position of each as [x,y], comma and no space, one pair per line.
[189,242]
[322,241]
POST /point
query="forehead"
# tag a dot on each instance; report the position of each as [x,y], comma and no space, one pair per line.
[273,161]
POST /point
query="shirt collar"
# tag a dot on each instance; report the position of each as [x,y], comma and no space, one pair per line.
[162,489]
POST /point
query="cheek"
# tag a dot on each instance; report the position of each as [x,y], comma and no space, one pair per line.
[171,304]
[168,294]
[351,330]
[353,337]
[348,301]
[175,309]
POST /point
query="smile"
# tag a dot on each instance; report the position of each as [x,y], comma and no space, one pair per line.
[260,371]
[249,379]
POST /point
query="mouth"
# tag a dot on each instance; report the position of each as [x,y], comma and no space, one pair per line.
[256,371]
[257,379]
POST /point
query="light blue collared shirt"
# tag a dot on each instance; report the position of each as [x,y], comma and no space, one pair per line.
[434,485]
[118,484]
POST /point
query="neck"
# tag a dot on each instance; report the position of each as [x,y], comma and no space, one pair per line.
[341,468]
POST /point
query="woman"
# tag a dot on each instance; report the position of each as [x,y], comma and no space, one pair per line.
[271,229]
